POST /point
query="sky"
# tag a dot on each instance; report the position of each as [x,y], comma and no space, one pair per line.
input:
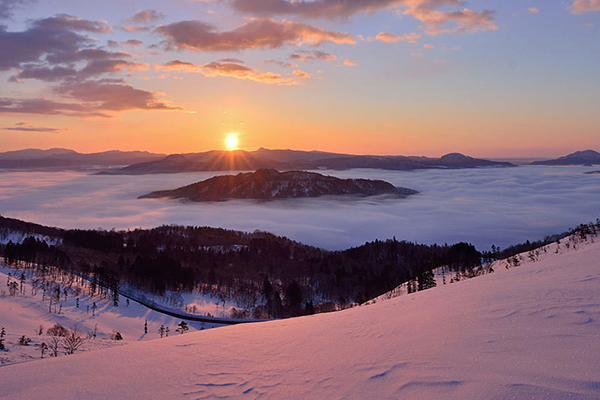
[488,78]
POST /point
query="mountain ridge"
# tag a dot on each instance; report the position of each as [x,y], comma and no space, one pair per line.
[583,157]
[216,160]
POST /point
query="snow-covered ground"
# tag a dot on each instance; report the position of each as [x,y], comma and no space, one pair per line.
[23,314]
[526,332]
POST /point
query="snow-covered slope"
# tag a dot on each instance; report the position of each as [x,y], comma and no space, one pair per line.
[526,332]
[24,313]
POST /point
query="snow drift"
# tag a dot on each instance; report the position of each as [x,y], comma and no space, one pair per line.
[525,332]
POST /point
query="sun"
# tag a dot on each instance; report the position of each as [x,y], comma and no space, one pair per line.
[231,141]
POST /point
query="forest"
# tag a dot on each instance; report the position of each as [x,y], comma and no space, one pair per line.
[268,276]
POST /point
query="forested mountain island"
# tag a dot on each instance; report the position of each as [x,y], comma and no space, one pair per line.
[585,158]
[296,160]
[269,184]
[268,276]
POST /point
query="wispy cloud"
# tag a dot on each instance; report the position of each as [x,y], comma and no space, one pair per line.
[230,69]
[460,21]
[393,38]
[255,33]
[146,16]
[282,64]
[26,127]
[309,56]
[44,106]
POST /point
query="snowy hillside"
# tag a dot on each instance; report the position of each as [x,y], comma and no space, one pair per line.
[24,313]
[527,332]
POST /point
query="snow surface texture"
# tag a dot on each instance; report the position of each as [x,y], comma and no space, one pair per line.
[526,332]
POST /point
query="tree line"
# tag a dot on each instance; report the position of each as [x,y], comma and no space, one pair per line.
[267,275]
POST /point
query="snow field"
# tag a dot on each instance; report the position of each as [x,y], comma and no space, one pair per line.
[525,332]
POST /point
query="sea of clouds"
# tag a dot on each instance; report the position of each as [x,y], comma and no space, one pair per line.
[500,206]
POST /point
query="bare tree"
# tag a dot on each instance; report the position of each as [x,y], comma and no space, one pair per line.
[56,334]
[73,341]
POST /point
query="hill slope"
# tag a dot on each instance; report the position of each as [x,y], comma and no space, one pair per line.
[586,157]
[531,331]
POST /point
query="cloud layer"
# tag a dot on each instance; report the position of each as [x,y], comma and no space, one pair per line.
[482,206]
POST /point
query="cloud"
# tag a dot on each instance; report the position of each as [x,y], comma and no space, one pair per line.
[97,62]
[99,67]
[481,206]
[112,96]
[229,69]
[428,46]
[329,8]
[134,43]
[134,28]
[45,106]
[309,56]
[464,21]
[533,10]
[7,6]
[232,60]
[140,21]
[146,16]
[26,127]
[392,38]
[54,38]
[349,63]
[301,74]
[47,74]
[53,50]
[255,33]
[584,6]
[281,63]
[64,22]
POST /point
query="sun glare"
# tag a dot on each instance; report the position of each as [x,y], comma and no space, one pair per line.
[231,141]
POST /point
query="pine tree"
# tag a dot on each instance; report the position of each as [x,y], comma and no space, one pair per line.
[43,348]
[2,334]
[183,326]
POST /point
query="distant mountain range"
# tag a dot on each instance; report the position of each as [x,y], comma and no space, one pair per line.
[295,160]
[269,184]
[586,158]
[58,158]
[117,162]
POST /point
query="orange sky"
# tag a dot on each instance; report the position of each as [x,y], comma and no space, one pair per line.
[489,79]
